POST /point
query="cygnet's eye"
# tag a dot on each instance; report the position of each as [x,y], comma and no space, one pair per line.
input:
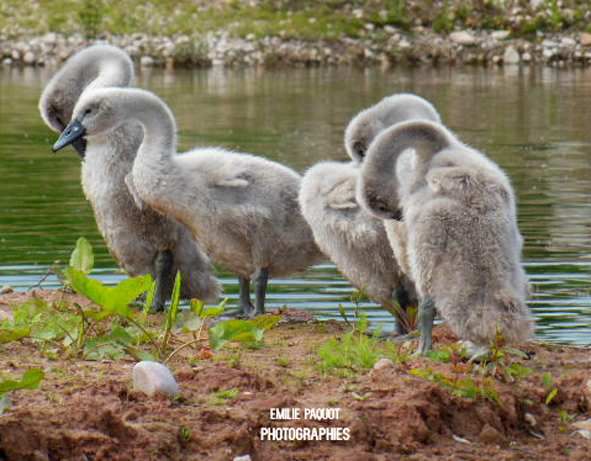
[88,111]
[359,148]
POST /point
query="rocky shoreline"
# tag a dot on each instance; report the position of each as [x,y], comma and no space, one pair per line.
[391,46]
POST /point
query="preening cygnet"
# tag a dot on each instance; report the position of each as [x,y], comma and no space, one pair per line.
[355,240]
[464,247]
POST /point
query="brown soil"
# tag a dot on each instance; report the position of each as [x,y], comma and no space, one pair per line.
[88,410]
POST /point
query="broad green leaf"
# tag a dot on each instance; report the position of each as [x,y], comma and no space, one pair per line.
[212,312]
[127,291]
[30,380]
[103,347]
[266,322]
[519,371]
[86,286]
[114,300]
[82,257]
[121,335]
[8,335]
[242,331]
[440,355]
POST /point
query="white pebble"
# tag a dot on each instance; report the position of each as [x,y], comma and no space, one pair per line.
[147,61]
[154,378]
[383,363]
[242,458]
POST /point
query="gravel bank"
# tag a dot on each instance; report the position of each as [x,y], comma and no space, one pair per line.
[465,47]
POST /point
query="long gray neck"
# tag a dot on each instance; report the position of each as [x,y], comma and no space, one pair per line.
[159,144]
[93,68]
[156,174]
[110,72]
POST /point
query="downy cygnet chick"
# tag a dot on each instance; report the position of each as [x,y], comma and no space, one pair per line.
[464,247]
[354,239]
[141,241]
[243,209]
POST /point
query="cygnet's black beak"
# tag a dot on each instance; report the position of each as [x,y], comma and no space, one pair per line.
[72,133]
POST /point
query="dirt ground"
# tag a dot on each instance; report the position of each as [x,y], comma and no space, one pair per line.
[88,410]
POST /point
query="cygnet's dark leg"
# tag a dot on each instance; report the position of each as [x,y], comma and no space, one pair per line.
[246,306]
[401,297]
[261,279]
[163,267]
[425,324]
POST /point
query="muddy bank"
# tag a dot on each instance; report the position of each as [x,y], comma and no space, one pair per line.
[403,410]
[485,48]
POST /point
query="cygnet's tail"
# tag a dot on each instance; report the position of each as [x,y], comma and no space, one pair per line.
[197,276]
[506,313]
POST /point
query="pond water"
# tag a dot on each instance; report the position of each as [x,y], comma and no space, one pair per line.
[536,123]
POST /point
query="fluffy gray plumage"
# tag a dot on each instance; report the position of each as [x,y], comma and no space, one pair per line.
[464,247]
[367,124]
[355,240]
[136,238]
[243,209]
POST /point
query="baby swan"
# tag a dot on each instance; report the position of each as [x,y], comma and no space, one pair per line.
[368,123]
[142,241]
[355,240]
[243,209]
[465,248]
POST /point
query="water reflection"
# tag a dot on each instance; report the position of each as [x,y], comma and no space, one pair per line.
[534,122]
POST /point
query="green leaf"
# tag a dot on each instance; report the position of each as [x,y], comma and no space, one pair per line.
[242,331]
[30,380]
[149,299]
[121,335]
[113,300]
[86,286]
[212,312]
[547,380]
[175,299]
[8,335]
[518,371]
[127,291]
[82,257]
[266,322]
[551,396]
[440,355]
[197,306]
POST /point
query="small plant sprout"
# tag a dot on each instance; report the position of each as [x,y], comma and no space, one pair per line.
[29,380]
[221,397]
[356,351]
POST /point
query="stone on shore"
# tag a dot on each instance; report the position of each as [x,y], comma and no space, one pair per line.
[511,56]
[585,39]
[147,61]
[463,38]
[154,378]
